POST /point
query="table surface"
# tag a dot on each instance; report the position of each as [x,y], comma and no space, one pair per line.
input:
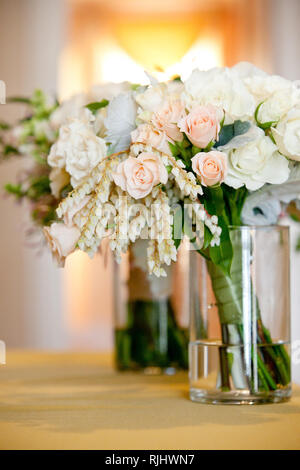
[78,401]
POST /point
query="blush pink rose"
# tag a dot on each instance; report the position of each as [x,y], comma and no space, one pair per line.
[210,167]
[166,119]
[139,175]
[147,134]
[62,240]
[201,125]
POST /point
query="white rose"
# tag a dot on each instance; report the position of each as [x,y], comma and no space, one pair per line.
[264,85]
[246,69]
[287,134]
[278,104]
[254,162]
[78,149]
[221,87]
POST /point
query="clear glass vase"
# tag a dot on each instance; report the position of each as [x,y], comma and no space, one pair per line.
[151,314]
[239,349]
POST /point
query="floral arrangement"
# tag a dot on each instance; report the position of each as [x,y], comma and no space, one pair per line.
[164,161]
[116,161]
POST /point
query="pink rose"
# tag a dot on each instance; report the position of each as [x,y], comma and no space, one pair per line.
[146,134]
[211,167]
[166,119]
[62,240]
[139,175]
[201,125]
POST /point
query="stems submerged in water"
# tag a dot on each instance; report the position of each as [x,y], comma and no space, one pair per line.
[151,337]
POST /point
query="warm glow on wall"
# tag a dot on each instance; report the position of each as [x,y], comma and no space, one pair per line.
[155,43]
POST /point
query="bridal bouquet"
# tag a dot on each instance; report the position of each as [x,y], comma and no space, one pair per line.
[175,159]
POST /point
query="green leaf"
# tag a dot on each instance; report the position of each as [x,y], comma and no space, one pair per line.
[226,134]
[234,202]
[263,125]
[213,200]
[177,228]
[94,107]
[39,187]
[214,203]
[135,86]
[195,150]
[18,99]
[15,189]
[4,126]
[174,149]
[240,127]
[207,238]
[222,254]
[9,150]
[229,131]
[294,217]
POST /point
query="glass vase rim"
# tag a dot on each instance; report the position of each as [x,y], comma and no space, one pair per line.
[259,227]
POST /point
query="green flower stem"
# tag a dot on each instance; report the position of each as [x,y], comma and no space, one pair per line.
[151,337]
[263,368]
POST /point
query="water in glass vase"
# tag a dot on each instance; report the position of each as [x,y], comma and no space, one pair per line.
[267,380]
[152,339]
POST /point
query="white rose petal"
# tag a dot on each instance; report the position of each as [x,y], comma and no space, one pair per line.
[287,134]
[255,163]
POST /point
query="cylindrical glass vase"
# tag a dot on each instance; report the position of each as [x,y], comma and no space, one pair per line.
[151,314]
[239,349]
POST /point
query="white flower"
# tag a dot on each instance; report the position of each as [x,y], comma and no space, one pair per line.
[287,134]
[278,104]
[62,240]
[78,149]
[108,91]
[221,87]
[254,162]
[264,85]
[59,178]
[42,129]
[120,121]
[152,98]
[72,108]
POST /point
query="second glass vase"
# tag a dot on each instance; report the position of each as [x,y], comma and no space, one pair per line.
[151,314]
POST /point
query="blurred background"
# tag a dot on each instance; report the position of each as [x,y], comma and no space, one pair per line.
[64,47]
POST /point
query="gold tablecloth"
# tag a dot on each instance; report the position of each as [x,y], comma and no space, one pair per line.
[78,401]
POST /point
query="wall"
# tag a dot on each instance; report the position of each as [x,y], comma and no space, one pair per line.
[285,40]
[30,288]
